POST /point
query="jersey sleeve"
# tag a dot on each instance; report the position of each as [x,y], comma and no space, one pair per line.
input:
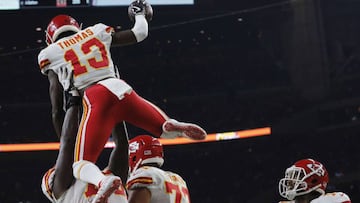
[144,177]
[47,183]
[342,197]
[104,32]
[333,197]
[43,61]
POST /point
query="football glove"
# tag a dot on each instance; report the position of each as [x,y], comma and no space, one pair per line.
[137,7]
[140,7]
[65,77]
[71,94]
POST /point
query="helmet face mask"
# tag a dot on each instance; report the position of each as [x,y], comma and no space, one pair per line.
[60,24]
[145,149]
[303,177]
[293,184]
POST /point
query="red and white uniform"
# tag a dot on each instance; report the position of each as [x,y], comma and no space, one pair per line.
[86,53]
[165,186]
[79,192]
[107,100]
[333,197]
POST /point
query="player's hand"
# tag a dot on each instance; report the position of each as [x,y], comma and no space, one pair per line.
[66,78]
[137,7]
[140,7]
[71,94]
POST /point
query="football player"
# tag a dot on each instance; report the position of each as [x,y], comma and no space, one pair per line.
[148,183]
[84,54]
[305,182]
[58,183]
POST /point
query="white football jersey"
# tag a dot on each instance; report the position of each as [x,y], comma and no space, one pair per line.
[333,197]
[79,192]
[86,53]
[165,186]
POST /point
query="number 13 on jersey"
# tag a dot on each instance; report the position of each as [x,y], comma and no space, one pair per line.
[96,59]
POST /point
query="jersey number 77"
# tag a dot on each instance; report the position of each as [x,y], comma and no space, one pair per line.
[178,190]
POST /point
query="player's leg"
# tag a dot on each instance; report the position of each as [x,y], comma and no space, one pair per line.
[144,114]
[94,131]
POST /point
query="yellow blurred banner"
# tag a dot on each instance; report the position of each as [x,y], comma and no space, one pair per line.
[177,141]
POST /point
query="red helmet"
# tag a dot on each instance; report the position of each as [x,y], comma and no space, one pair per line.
[303,177]
[145,149]
[60,24]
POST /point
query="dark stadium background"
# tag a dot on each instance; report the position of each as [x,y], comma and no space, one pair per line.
[227,65]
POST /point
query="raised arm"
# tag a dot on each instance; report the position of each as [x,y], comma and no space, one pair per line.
[56,98]
[66,126]
[63,167]
[141,13]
